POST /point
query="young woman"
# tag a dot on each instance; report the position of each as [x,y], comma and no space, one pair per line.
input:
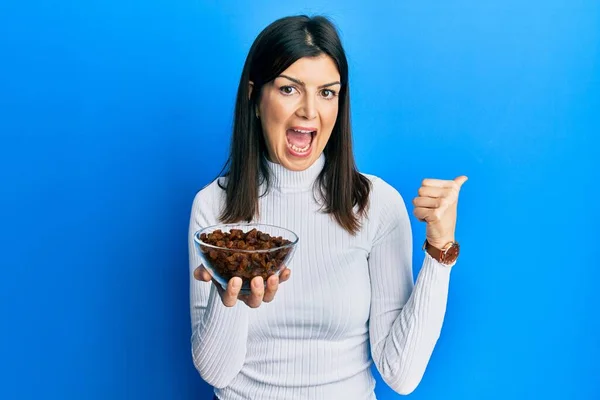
[351,299]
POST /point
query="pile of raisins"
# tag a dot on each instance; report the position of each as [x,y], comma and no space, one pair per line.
[229,263]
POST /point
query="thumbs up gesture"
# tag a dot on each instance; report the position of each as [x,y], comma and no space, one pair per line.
[436,205]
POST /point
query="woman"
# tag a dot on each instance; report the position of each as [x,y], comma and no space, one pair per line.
[351,299]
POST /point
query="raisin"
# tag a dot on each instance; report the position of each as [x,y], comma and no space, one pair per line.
[229,261]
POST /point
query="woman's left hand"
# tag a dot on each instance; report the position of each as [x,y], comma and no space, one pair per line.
[436,205]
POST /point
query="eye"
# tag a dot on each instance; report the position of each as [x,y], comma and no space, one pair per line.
[328,93]
[287,90]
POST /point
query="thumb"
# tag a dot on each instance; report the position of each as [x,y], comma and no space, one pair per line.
[198,273]
[202,274]
[461,180]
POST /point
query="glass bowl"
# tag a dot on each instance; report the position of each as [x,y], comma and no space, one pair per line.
[246,250]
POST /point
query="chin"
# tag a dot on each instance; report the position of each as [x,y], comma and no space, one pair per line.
[297,165]
[298,160]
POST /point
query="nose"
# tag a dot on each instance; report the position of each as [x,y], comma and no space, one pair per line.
[308,108]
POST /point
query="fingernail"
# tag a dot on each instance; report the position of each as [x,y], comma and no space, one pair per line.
[256,283]
[235,283]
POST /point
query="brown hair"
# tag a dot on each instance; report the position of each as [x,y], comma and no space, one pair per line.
[341,186]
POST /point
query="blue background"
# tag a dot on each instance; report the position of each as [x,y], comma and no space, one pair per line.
[113,114]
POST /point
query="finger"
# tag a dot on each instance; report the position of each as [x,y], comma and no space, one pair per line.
[272,286]
[420,213]
[285,275]
[428,202]
[229,297]
[439,183]
[431,191]
[257,287]
[426,214]
[461,180]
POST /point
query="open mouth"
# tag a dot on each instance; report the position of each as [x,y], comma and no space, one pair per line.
[300,140]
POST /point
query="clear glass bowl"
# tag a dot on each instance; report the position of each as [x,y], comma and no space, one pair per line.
[232,258]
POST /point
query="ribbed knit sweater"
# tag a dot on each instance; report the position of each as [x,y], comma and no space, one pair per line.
[350,301]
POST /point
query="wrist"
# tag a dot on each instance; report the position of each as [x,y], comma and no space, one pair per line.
[440,243]
[446,253]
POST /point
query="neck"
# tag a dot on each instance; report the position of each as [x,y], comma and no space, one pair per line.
[286,180]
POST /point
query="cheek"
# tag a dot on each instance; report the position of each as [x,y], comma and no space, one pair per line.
[274,115]
[330,116]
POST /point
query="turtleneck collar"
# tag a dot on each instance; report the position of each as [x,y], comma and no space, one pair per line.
[286,180]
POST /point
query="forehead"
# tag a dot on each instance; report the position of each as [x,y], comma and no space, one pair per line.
[314,70]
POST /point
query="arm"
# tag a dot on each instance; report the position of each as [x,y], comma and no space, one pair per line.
[219,333]
[406,319]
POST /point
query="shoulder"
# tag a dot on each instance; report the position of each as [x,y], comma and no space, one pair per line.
[210,198]
[387,209]
[383,194]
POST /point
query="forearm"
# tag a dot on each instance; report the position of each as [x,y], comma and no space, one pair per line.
[219,340]
[403,355]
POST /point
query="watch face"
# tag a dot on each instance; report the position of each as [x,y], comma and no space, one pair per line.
[451,254]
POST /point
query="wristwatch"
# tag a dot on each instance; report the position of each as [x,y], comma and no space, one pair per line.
[446,255]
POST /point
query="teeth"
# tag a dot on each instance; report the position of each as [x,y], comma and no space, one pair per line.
[299,149]
[302,131]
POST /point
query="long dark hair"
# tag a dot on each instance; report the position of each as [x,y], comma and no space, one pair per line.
[341,186]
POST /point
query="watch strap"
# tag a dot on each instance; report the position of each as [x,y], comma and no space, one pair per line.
[446,255]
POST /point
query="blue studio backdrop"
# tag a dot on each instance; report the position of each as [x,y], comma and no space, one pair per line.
[114,114]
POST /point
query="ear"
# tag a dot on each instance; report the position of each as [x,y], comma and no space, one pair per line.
[250,88]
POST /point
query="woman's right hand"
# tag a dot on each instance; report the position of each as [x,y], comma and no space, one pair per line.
[259,293]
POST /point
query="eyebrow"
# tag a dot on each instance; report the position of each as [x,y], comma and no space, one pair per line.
[299,82]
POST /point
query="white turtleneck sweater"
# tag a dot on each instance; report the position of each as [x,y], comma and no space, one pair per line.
[350,300]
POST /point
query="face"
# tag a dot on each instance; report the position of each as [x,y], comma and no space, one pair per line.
[298,110]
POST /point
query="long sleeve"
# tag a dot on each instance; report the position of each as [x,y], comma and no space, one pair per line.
[405,320]
[219,333]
